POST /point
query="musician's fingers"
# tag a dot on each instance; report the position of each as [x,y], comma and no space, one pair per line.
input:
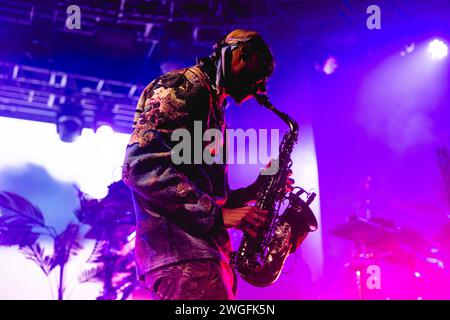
[252,223]
[252,233]
[248,228]
[260,211]
[255,221]
[259,217]
[290,181]
[289,188]
[289,172]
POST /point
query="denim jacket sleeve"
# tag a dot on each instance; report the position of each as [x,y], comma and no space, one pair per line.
[164,106]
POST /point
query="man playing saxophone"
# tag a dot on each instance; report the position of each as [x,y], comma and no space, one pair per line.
[183,211]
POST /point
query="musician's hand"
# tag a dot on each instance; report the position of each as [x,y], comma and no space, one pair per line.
[289,181]
[247,219]
[263,176]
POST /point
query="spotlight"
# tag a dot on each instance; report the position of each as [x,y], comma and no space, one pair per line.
[104,130]
[328,67]
[69,122]
[104,134]
[103,120]
[437,49]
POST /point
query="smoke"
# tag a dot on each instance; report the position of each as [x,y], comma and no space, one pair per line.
[400,99]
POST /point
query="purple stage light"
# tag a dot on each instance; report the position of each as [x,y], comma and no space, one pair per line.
[437,49]
[330,65]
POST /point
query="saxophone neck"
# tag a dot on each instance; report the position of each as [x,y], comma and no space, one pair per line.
[264,101]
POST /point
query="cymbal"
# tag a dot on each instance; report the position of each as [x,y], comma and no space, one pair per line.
[384,238]
[365,231]
[419,208]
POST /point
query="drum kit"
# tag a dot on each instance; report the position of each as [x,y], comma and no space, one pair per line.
[391,262]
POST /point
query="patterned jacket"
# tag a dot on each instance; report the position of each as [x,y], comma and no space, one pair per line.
[178,207]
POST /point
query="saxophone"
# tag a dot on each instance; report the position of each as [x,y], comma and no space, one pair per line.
[260,260]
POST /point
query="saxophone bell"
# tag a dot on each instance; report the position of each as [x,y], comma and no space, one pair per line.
[299,216]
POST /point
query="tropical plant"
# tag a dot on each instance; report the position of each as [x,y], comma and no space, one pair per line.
[111,221]
[22,224]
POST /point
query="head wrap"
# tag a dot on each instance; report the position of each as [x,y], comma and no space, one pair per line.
[224,47]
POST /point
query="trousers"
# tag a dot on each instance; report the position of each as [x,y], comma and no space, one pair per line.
[202,279]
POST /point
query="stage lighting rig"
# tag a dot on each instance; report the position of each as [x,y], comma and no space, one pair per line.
[103,119]
[69,121]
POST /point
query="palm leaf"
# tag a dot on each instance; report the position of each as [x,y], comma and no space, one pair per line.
[91,273]
[67,243]
[18,218]
[98,251]
[37,254]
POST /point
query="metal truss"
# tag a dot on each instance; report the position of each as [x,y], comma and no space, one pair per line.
[146,19]
[36,94]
